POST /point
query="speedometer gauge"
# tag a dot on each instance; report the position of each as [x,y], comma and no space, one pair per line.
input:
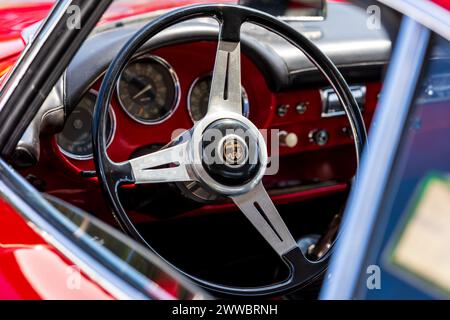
[198,98]
[75,141]
[148,89]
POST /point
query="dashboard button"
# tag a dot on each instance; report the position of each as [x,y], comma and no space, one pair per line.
[282,110]
[301,107]
[319,137]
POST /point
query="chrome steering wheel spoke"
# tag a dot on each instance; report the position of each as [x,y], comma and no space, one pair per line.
[226,89]
[261,212]
[166,165]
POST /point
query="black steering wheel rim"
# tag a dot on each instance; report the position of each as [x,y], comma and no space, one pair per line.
[230,17]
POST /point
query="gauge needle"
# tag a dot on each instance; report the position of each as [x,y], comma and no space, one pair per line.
[148,87]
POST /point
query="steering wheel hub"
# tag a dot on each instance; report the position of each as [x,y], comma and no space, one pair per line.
[230,152]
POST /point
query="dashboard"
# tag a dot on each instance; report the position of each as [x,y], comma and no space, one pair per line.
[165,89]
[148,92]
[158,94]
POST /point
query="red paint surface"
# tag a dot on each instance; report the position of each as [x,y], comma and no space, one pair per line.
[30,268]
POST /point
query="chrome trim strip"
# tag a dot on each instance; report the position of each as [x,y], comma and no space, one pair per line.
[325,93]
[29,32]
[426,12]
[361,212]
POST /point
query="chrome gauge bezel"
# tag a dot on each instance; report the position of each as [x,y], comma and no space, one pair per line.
[245,100]
[175,82]
[90,156]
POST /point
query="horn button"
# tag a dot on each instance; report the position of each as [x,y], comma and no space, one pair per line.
[230,152]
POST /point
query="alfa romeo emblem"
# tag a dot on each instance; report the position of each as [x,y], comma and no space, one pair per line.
[234,151]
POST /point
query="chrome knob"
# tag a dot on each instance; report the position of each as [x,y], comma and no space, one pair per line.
[319,137]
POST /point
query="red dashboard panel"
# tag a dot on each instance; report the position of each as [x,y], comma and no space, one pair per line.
[190,62]
[304,164]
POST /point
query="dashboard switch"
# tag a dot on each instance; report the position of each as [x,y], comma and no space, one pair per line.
[282,110]
[332,107]
[289,140]
[301,107]
[319,137]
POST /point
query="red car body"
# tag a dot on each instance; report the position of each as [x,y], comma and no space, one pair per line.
[14,18]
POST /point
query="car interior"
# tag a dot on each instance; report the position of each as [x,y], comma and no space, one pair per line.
[135,100]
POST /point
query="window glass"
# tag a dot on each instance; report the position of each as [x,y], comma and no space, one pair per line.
[412,235]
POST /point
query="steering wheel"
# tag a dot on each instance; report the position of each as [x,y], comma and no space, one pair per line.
[224,152]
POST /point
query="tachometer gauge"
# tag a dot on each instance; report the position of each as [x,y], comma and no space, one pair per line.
[148,89]
[198,98]
[75,141]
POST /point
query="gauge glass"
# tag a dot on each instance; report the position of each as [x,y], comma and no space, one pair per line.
[198,98]
[75,140]
[148,89]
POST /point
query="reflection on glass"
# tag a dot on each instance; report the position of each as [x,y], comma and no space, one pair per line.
[138,266]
